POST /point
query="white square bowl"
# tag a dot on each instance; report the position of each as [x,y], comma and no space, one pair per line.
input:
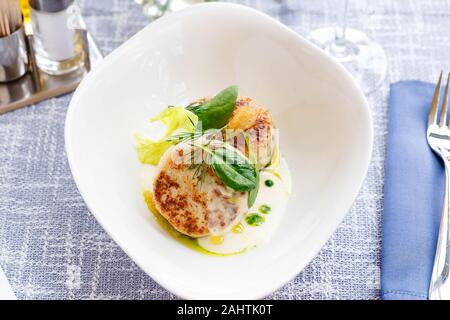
[324,121]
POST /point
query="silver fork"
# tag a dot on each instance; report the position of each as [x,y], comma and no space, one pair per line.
[438,136]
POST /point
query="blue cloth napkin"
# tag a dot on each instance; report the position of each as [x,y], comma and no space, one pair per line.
[414,191]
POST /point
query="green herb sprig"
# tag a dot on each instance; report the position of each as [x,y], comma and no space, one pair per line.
[229,164]
[233,168]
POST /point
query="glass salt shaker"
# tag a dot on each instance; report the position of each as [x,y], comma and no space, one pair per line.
[56,42]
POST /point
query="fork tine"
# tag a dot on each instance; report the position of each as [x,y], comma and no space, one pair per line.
[432,116]
[443,119]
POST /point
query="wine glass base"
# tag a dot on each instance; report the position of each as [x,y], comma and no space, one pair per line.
[361,56]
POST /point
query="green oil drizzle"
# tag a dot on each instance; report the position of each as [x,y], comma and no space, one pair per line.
[264,208]
[255,219]
[269,183]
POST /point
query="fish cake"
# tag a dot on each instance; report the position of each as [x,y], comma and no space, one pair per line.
[193,207]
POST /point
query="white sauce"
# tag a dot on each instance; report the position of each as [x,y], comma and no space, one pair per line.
[275,197]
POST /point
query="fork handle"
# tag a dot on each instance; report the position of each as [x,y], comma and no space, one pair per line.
[439,284]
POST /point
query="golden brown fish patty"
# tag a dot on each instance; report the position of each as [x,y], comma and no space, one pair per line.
[192,207]
[257,123]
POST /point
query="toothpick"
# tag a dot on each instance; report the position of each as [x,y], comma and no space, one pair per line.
[10,17]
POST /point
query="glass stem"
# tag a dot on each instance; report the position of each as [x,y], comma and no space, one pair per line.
[339,46]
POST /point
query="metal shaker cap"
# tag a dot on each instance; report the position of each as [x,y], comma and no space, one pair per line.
[50,5]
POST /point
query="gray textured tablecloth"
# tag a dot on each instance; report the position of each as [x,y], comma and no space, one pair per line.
[51,247]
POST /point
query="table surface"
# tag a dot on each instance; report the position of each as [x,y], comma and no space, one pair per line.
[51,247]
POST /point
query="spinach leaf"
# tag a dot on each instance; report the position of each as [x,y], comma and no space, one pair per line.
[234,169]
[252,194]
[215,113]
